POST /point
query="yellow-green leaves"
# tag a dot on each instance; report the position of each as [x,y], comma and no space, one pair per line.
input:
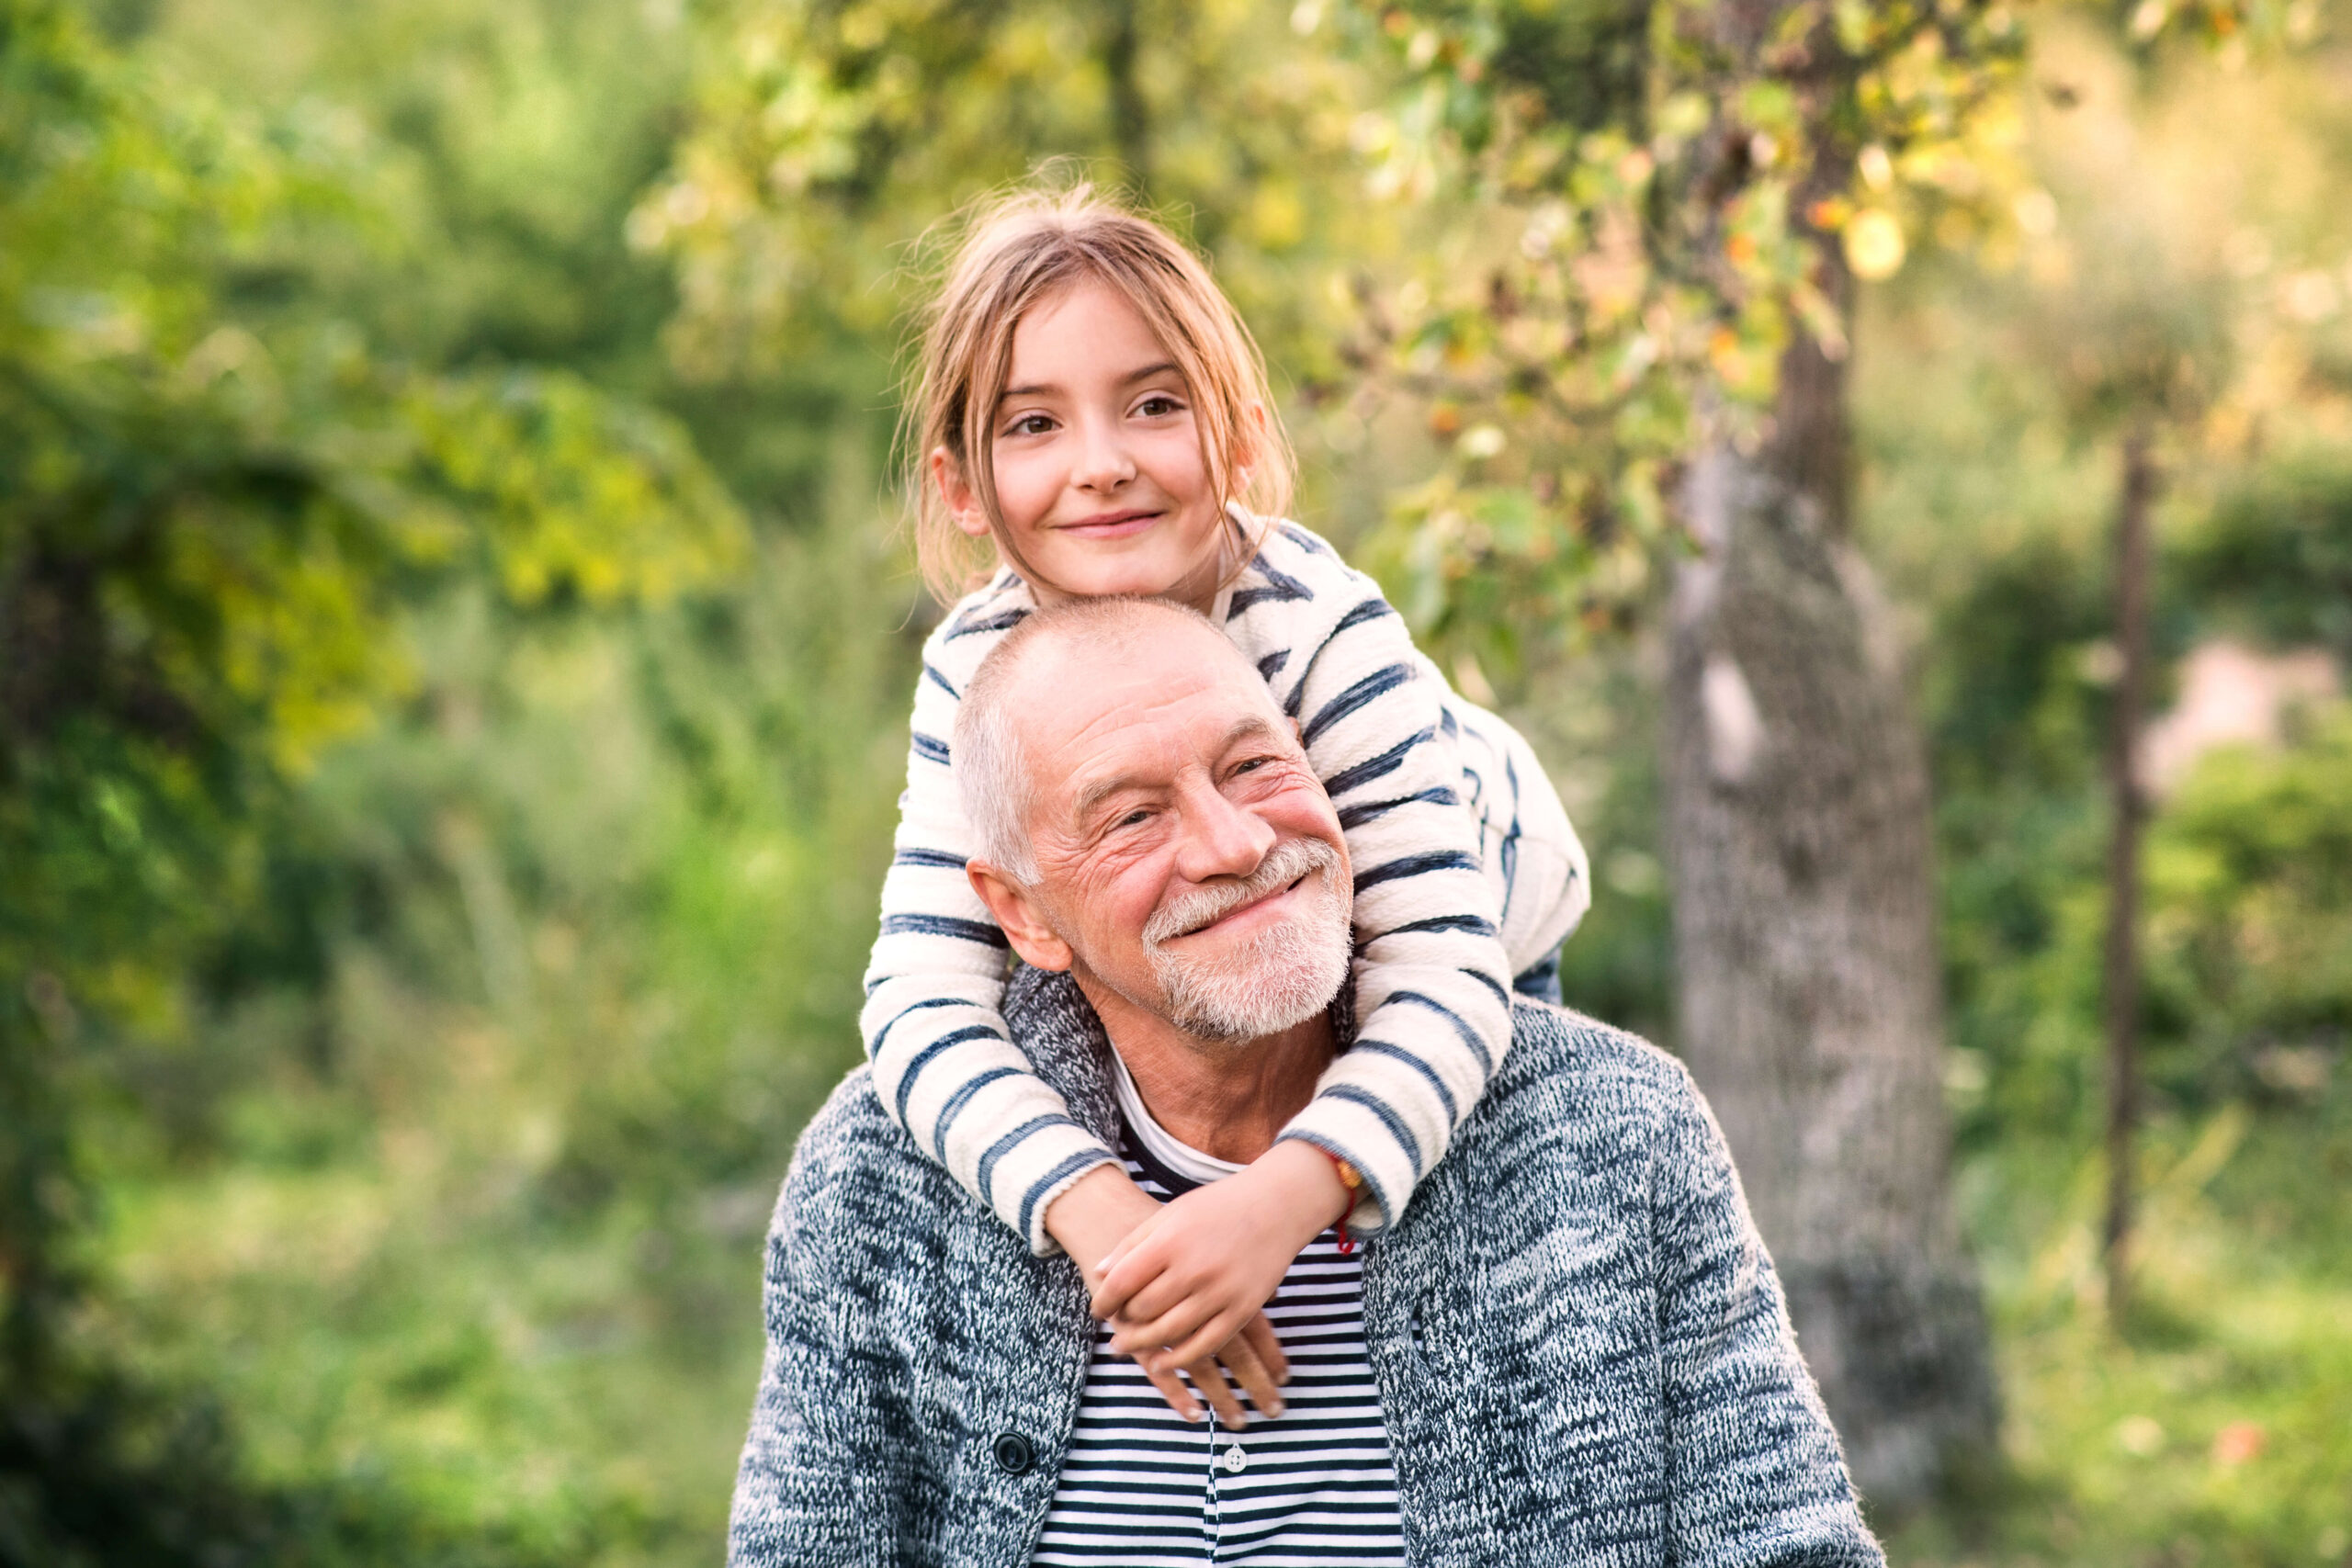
[829,143]
[1677,231]
[214,515]
[565,491]
[245,502]
[1875,244]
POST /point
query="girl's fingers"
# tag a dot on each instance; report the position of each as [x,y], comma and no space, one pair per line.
[1110,1298]
[1205,1341]
[1137,1333]
[1213,1387]
[1246,1367]
[1259,1334]
[1156,1304]
[1119,1267]
[1127,1267]
[1172,1389]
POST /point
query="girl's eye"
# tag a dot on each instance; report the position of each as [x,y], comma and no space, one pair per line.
[1157,404]
[1029,425]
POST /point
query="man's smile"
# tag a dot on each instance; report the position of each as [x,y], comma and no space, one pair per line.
[1263,909]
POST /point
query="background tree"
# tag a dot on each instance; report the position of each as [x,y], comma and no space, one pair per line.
[1669,341]
[2140,347]
[2157,349]
[1664,356]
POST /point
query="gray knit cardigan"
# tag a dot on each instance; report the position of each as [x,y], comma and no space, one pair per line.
[1581,1349]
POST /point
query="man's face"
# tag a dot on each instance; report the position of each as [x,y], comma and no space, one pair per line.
[1185,851]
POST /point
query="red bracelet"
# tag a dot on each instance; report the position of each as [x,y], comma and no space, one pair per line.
[1352,1178]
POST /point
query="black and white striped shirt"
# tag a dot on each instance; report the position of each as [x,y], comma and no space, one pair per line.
[1142,1486]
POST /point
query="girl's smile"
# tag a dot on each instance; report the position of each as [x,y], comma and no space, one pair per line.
[1112,524]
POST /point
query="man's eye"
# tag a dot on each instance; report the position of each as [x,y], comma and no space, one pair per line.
[1133,818]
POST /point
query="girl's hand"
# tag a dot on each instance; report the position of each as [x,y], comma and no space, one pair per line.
[1253,1358]
[1094,1214]
[1104,1208]
[1183,1282]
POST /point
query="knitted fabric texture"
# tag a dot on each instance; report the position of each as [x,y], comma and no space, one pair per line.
[1581,1349]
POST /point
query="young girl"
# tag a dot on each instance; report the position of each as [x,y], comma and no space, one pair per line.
[1091,412]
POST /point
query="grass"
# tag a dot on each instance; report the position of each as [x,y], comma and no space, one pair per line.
[2213,1425]
[411,1314]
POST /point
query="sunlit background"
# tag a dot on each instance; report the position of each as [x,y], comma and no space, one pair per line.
[416,985]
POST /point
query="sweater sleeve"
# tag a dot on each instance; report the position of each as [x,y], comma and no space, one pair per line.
[1433,982]
[1753,1474]
[813,1486]
[945,1066]
[1535,866]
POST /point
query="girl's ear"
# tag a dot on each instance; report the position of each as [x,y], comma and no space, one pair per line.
[964,508]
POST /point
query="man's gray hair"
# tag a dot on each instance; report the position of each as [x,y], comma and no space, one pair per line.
[991,775]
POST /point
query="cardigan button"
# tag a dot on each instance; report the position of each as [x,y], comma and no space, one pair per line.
[1013,1454]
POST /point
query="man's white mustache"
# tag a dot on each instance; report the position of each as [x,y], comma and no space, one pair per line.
[1284,863]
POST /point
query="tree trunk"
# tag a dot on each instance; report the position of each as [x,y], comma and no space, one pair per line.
[1130,119]
[2121,989]
[1808,975]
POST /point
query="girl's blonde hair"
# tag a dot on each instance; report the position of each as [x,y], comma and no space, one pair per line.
[1019,251]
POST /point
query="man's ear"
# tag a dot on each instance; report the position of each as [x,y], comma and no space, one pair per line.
[1019,918]
[963,503]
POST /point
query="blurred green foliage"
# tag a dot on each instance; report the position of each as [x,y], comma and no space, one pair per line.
[435,875]
[2275,557]
[217,507]
[831,145]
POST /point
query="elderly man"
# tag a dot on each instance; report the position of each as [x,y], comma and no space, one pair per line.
[1571,1348]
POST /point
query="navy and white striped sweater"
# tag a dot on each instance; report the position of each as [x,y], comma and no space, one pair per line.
[1466,873]
[1581,1349]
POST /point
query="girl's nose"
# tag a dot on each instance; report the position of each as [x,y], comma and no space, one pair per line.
[1104,461]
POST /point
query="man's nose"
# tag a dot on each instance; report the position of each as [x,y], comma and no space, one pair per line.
[1220,838]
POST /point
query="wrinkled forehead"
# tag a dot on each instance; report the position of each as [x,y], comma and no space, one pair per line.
[1096,714]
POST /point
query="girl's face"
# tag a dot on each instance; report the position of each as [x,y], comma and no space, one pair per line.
[1100,476]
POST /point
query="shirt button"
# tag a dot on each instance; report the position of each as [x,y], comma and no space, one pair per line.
[1237,1460]
[1013,1454]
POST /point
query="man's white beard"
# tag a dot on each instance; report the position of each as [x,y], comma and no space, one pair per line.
[1282,975]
